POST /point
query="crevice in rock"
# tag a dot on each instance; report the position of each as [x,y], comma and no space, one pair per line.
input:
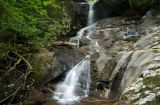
[115,90]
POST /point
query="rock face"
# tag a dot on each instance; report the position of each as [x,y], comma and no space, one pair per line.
[77,11]
[107,70]
[109,8]
[128,69]
[49,65]
[109,36]
[145,89]
[64,61]
[118,74]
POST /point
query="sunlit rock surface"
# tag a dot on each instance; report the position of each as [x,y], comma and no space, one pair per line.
[144,90]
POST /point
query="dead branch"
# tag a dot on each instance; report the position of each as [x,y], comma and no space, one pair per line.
[49,89]
[20,56]
[28,86]
[12,68]
[11,95]
[24,76]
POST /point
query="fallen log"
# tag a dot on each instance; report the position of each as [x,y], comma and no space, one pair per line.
[63,43]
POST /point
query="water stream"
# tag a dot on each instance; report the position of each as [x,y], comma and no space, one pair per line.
[76,84]
[87,29]
[90,14]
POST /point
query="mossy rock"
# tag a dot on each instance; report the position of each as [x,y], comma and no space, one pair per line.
[155,51]
[152,80]
[41,63]
[127,95]
[3,50]
[48,65]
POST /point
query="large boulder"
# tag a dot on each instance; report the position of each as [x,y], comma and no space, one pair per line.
[65,60]
[48,65]
[103,81]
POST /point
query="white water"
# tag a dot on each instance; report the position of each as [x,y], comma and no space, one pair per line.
[90,14]
[80,33]
[77,82]
[90,24]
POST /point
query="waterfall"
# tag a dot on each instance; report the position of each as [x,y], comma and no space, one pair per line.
[90,14]
[90,24]
[80,33]
[76,84]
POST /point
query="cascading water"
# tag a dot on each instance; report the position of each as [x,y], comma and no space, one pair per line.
[80,33]
[89,24]
[77,82]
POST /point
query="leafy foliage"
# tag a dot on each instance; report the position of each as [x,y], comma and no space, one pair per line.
[32,22]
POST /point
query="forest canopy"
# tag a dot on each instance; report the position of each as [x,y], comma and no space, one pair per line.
[32,22]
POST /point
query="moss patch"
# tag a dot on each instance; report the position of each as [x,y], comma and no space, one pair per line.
[147,63]
[152,81]
[128,94]
[155,51]
[41,63]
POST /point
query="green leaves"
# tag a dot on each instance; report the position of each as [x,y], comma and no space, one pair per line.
[32,22]
[52,3]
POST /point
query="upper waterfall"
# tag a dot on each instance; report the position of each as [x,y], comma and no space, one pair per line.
[90,23]
[90,14]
